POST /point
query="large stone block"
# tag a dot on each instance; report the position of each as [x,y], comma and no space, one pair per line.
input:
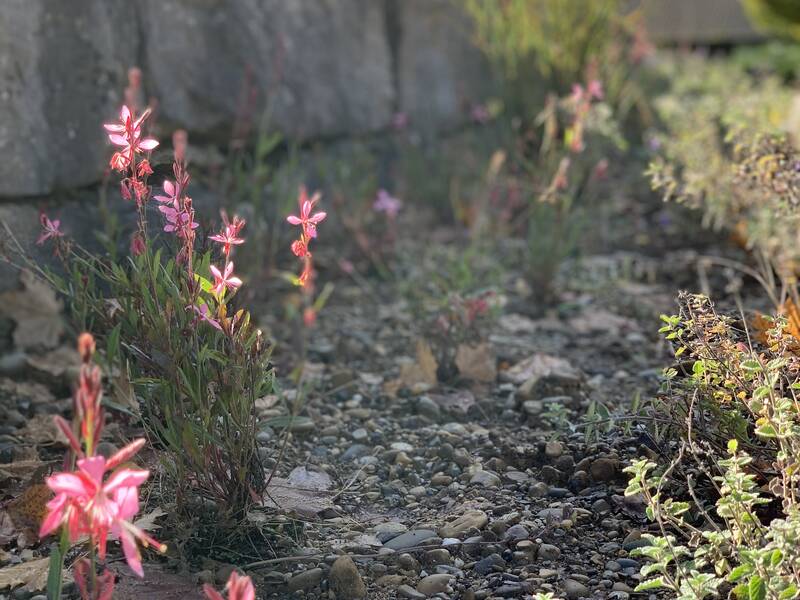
[62,66]
[324,65]
[440,72]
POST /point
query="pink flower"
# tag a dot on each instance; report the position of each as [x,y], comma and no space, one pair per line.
[387,203]
[299,248]
[87,505]
[223,281]
[179,221]
[229,236]
[127,133]
[137,244]
[239,587]
[204,314]
[306,219]
[480,114]
[50,229]
[172,194]
[595,89]
[577,93]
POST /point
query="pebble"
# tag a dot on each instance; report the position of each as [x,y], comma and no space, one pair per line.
[548,552]
[604,469]
[406,591]
[345,580]
[575,589]
[306,580]
[409,539]
[554,449]
[359,435]
[485,478]
[470,520]
[434,584]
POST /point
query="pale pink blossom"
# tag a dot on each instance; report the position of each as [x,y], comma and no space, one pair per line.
[50,229]
[127,134]
[308,221]
[386,203]
[224,280]
[204,314]
[595,89]
[229,236]
[171,195]
[85,504]
[239,587]
[480,114]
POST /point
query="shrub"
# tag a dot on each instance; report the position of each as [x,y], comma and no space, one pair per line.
[168,321]
[732,393]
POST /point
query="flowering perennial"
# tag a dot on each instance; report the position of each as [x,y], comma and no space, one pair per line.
[308,221]
[98,497]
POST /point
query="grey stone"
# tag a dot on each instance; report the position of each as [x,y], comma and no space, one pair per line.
[409,539]
[406,591]
[575,589]
[306,580]
[470,520]
[345,580]
[548,552]
[434,584]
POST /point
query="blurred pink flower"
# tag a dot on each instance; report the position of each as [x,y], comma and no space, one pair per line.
[239,587]
[299,248]
[386,203]
[87,505]
[204,314]
[480,114]
[308,221]
[50,229]
[595,89]
[224,280]
[137,244]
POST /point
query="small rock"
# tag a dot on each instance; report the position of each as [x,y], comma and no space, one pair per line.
[548,552]
[575,589]
[491,563]
[305,580]
[434,584]
[472,519]
[345,581]
[485,478]
[406,591]
[604,469]
[554,449]
[409,539]
[359,435]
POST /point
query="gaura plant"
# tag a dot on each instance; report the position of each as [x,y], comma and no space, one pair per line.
[168,320]
[95,496]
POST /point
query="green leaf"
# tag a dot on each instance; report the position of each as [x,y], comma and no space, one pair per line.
[751,365]
[737,573]
[651,584]
[756,588]
[789,592]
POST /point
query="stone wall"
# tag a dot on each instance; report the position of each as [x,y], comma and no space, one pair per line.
[328,68]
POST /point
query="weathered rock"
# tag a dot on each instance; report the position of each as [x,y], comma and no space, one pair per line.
[305,580]
[409,539]
[62,70]
[434,584]
[575,589]
[345,580]
[604,469]
[470,520]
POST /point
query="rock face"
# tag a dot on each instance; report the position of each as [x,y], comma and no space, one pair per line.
[325,68]
[62,67]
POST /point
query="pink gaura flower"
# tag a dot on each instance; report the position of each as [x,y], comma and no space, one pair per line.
[386,203]
[127,133]
[595,89]
[300,248]
[137,244]
[171,195]
[179,221]
[50,229]
[85,504]
[224,280]
[204,314]
[308,221]
[239,587]
[229,236]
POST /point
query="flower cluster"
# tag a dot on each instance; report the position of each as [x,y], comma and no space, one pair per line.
[239,587]
[582,101]
[308,221]
[127,134]
[99,496]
